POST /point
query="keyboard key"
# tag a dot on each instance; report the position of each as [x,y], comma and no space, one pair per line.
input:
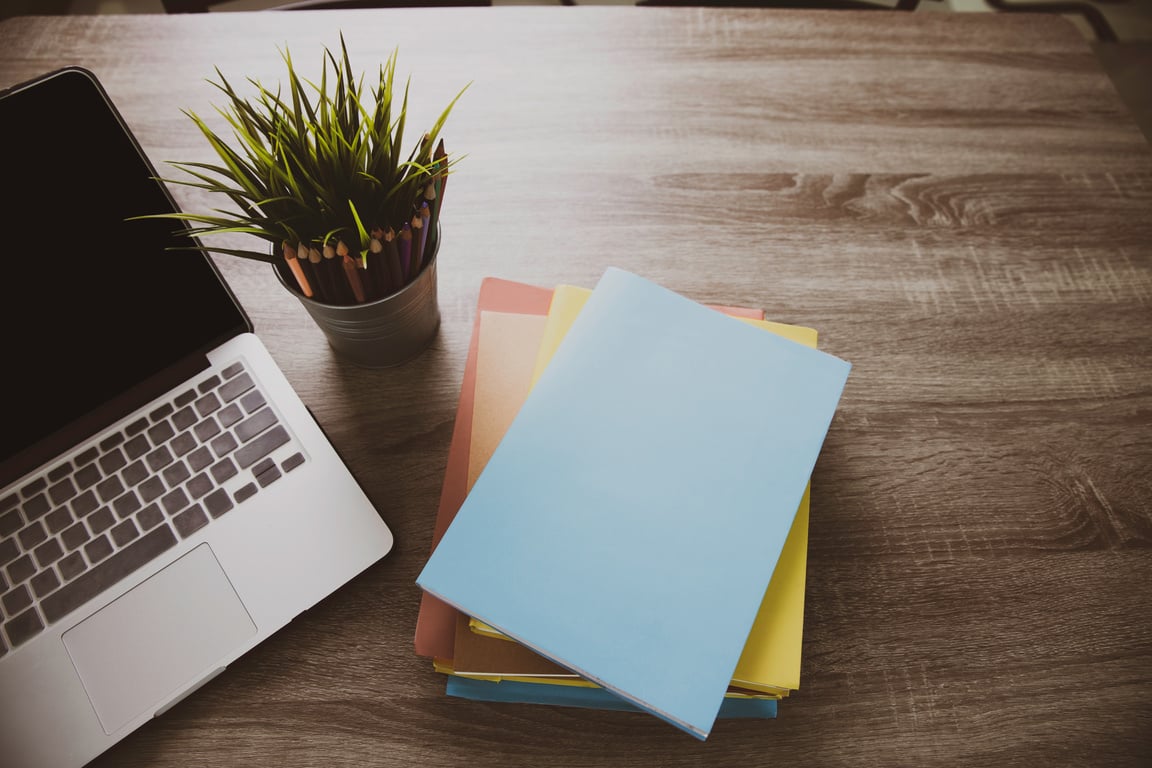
[59,472]
[207,429]
[159,458]
[174,501]
[44,582]
[232,370]
[182,443]
[111,442]
[104,575]
[218,502]
[10,522]
[245,492]
[112,461]
[230,415]
[174,474]
[292,462]
[161,433]
[8,550]
[184,398]
[184,418]
[253,401]
[208,384]
[57,520]
[200,458]
[160,412]
[261,446]
[124,533]
[101,520]
[135,473]
[16,600]
[255,424]
[84,504]
[71,566]
[34,487]
[268,476]
[224,469]
[224,444]
[23,627]
[189,521]
[149,517]
[200,485]
[48,553]
[151,489]
[74,536]
[109,488]
[126,505]
[234,388]
[62,491]
[86,456]
[31,535]
[98,549]
[87,476]
[207,404]
[36,506]
[136,427]
[21,569]
[137,447]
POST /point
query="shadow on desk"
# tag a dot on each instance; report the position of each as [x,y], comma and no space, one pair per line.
[204,6]
[1129,65]
[855,5]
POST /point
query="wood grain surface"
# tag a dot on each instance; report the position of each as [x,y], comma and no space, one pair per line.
[962,207]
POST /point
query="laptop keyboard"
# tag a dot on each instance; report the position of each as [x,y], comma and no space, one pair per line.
[115,506]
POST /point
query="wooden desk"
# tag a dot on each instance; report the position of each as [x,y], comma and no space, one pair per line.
[961,206]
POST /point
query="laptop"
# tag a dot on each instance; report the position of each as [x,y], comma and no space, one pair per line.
[167,501]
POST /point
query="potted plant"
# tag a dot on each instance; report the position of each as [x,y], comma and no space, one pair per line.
[350,220]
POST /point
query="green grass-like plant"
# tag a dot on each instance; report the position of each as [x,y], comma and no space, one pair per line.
[317,165]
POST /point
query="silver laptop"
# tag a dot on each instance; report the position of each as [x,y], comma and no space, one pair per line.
[166,499]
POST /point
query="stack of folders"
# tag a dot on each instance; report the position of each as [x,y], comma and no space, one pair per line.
[624,517]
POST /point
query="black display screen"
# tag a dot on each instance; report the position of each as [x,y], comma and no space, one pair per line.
[93,303]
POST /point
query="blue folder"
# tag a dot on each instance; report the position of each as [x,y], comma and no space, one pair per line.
[517,692]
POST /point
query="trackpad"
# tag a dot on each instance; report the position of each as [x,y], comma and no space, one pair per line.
[158,638]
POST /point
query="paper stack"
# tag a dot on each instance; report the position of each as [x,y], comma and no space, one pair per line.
[624,516]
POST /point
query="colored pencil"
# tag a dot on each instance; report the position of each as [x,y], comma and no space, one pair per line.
[392,257]
[351,271]
[374,259]
[425,233]
[312,268]
[327,273]
[404,246]
[418,235]
[295,268]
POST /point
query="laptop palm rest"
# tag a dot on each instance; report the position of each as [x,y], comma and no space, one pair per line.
[164,635]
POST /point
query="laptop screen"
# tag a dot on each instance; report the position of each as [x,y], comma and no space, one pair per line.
[94,305]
